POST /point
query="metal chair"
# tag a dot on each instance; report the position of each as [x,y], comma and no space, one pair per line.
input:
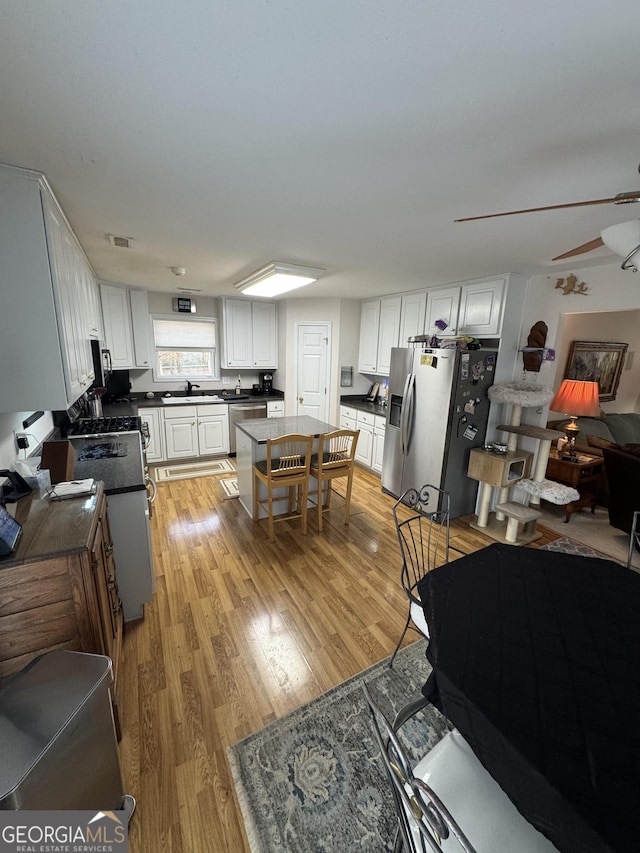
[286,466]
[335,458]
[424,544]
[450,779]
[634,537]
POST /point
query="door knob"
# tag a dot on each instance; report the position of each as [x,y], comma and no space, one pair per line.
[300,399]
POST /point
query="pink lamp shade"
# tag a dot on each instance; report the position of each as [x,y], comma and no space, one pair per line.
[576,398]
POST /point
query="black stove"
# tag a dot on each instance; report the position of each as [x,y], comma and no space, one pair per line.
[103,426]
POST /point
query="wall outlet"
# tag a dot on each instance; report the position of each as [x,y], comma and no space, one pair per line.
[22,441]
[226,380]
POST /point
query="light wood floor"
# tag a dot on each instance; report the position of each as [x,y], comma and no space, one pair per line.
[239,633]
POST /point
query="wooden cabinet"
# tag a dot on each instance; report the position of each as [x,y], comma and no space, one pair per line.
[60,589]
[125,314]
[249,334]
[44,334]
[379,332]
[153,433]
[196,431]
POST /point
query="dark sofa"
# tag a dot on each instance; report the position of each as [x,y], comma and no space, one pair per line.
[622,465]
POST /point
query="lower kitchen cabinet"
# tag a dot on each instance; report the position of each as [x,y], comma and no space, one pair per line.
[60,590]
[196,431]
[153,433]
[371,439]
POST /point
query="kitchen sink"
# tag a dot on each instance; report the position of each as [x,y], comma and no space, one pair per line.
[202,398]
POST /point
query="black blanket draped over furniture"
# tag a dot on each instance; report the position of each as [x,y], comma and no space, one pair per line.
[536,661]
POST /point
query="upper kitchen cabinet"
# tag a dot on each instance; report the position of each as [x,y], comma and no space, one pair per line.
[470,308]
[412,316]
[249,334]
[442,304]
[379,332]
[46,322]
[481,307]
[125,314]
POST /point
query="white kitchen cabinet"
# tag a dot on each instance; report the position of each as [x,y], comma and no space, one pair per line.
[412,316]
[275,408]
[249,334]
[116,316]
[180,432]
[152,424]
[125,314]
[377,451]
[389,332]
[213,430]
[369,327]
[442,304]
[140,323]
[348,417]
[364,449]
[370,445]
[195,431]
[481,306]
[379,332]
[44,343]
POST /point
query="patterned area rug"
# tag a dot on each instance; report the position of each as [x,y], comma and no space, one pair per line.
[313,780]
[229,487]
[189,470]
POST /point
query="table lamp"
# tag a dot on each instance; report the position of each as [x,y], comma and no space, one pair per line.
[576,398]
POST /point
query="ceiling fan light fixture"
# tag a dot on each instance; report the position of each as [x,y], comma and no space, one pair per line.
[276,278]
[624,239]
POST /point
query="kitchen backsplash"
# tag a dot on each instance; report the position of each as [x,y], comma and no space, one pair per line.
[10,423]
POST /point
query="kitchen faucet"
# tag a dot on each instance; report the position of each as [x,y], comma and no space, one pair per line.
[190,388]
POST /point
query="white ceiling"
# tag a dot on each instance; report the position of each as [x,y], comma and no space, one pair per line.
[344,134]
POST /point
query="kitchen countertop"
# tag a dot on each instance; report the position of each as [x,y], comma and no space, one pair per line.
[137,401]
[357,401]
[261,429]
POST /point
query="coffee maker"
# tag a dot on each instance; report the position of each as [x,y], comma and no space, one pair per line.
[266,381]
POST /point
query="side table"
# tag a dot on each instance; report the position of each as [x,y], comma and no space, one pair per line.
[583,475]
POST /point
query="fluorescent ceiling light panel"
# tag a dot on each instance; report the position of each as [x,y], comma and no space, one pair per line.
[277,278]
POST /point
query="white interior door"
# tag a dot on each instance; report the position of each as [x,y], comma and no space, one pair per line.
[312,384]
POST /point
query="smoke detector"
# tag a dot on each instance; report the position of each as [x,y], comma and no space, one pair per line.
[120,242]
[178,270]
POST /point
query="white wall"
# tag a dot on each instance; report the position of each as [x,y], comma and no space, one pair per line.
[610,289]
[344,317]
[36,433]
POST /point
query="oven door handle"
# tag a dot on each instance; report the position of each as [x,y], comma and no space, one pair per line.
[152,489]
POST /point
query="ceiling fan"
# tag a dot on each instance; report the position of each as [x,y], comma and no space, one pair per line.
[622,239]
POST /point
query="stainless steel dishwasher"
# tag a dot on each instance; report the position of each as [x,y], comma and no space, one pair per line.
[243,412]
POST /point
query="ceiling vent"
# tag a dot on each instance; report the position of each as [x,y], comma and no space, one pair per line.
[120,242]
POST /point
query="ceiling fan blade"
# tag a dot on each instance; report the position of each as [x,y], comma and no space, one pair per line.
[621,198]
[580,250]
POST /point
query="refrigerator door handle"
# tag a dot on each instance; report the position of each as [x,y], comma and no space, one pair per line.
[407,411]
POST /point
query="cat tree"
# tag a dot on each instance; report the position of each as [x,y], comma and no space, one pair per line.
[515,522]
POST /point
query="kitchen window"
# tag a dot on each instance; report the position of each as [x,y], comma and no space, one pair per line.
[185,348]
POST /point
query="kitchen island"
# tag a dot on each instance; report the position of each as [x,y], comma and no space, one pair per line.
[251,447]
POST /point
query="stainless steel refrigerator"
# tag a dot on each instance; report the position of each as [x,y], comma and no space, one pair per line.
[437,410]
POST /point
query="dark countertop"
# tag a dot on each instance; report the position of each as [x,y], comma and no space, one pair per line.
[138,400]
[117,461]
[261,429]
[357,401]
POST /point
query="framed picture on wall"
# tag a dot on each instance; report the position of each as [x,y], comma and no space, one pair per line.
[597,361]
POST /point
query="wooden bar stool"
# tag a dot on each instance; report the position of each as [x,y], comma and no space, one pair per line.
[286,466]
[335,458]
